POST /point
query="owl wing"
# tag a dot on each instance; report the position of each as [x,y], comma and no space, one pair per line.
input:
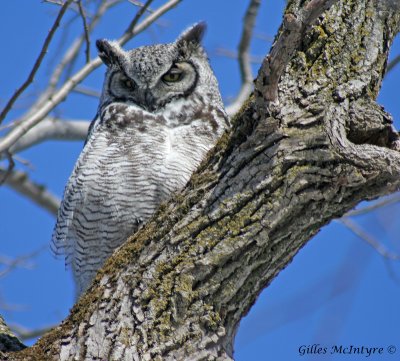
[97,212]
[64,234]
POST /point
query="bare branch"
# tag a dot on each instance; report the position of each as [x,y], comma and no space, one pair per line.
[11,263]
[264,37]
[73,50]
[376,205]
[284,47]
[346,279]
[378,246]
[85,30]
[244,45]
[73,7]
[233,55]
[62,93]
[87,91]
[148,21]
[140,4]
[52,129]
[392,64]
[4,176]
[25,334]
[138,16]
[21,183]
[69,57]
[20,261]
[244,57]
[38,61]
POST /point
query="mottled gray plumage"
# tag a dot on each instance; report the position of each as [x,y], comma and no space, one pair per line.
[159,114]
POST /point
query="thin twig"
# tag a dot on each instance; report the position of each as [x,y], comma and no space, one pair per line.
[378,246]
[85,30]
[9,125]
[11,307]
[25,334]
[234,55]
[347,279]
[140,4]
[21,183]
[11,164]
[379,204]
[148,21]
[263,37]
[61,3]
[138,16]
[20,261]
[69,57]
[26,163]
[13,263]
[87,91]
[62,93]
[73,50]
[244,57]
[244,44]
[392,64]
[38,61]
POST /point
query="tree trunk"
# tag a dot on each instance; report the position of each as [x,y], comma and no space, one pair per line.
[179,287]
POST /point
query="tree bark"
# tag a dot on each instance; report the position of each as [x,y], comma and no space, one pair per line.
[291,163]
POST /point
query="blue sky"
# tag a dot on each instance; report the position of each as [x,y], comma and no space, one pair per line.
[337,290]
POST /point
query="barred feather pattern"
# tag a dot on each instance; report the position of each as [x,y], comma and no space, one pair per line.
[132,162]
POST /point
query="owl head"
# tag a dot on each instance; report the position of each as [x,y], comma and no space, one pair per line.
[152,77]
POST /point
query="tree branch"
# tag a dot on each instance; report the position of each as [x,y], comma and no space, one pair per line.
[68,58]
[62,93]
[90,92]
[7,172]
[139,14]
[85,30]
[20,261]
[288,40]
[21,183]
[376,205]
[129,33]
[378,246]
[52,129]
[246,74]
[25,334]
[233,55]
[37,64]
[393,64]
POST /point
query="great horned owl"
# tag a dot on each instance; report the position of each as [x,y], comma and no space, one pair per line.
[160,112]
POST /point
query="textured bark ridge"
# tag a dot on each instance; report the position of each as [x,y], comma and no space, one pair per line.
[178,288]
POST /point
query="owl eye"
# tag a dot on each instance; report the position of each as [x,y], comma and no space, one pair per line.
[127,83]
[174,75]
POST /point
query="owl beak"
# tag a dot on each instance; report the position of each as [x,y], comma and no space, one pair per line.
[147,100]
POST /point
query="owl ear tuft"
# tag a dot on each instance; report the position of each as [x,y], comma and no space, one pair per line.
[110,52]
[194,34]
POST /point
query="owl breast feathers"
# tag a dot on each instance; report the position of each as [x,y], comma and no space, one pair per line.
[160,112]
